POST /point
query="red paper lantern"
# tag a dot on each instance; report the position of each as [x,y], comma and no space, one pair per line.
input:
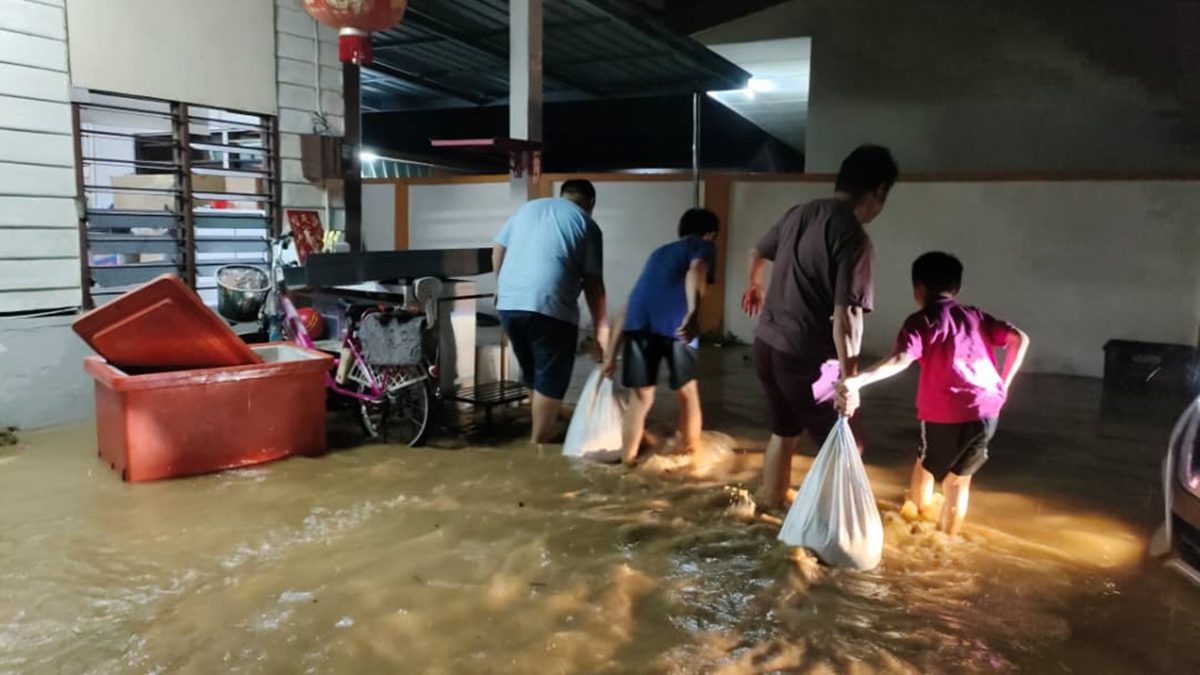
[355,19]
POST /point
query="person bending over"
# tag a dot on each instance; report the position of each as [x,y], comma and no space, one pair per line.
[661,325]
[547,252]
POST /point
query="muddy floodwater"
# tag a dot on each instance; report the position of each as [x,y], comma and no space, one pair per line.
[486,555]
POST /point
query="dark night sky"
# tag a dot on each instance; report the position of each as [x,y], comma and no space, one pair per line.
[604,135]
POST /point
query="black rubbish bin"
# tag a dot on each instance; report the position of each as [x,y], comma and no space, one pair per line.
[1152,368]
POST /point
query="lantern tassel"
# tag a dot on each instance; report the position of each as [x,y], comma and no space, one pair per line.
[354,46]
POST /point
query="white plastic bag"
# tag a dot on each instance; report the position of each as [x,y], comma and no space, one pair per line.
[835,513]
[595,431]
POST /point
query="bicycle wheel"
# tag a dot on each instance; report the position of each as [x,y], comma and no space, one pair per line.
[403,416]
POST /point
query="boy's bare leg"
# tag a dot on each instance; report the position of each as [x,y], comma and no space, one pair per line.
[633,425]
[691,419]
[958,493]
[777,469]
[545,418]
[920,490]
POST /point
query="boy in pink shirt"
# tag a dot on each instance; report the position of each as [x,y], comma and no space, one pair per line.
[961,391]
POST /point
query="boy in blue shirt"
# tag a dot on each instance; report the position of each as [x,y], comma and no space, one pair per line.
[661,324]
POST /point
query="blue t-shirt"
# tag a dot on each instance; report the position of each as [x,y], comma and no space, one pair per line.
[551,246]
[658,302]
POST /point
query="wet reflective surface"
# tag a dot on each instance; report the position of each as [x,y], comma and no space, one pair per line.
[511,559]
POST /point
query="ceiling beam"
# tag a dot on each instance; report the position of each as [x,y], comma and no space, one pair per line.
[389,40]
[693,16]
[729,75]
[472,43]
[421,82]
[558,64]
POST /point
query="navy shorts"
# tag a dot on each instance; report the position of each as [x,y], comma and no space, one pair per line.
[960,449]
[799,391]
[644,353]
[545,348]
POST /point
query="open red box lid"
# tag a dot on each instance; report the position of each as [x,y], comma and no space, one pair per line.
[162,325]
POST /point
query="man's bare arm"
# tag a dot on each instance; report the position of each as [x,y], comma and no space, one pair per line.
[597,301]
[498,252]
[756,286]
[696,283]
[847,337]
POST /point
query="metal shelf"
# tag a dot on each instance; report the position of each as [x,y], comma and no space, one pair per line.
[490,395]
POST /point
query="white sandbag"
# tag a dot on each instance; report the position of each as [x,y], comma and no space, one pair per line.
[835,514]
[595,431]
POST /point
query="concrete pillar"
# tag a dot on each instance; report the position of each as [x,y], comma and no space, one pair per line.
[352,145]
[525,82]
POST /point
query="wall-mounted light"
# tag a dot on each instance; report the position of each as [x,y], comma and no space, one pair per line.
[761,85]
[367,156]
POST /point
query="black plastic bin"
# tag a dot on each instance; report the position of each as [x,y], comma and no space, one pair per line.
[1152,368]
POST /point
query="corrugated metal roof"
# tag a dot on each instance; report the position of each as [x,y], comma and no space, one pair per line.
[455,52]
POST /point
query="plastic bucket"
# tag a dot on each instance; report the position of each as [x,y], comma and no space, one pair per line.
[241,292]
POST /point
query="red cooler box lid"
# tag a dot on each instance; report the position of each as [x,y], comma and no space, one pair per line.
[162,325]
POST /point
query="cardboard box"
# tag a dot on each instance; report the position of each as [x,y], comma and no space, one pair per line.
[160,181]
[238,185]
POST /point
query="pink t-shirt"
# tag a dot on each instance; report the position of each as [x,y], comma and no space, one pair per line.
[955,345]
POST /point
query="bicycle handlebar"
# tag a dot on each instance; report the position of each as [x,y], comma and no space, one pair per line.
[283,240]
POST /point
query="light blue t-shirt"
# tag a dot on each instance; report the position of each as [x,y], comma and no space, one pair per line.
[551,245]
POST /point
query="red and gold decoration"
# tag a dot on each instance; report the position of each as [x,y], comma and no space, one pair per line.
[355,19]
[307,232]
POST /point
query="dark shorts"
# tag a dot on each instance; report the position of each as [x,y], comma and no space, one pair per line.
[960,449]
[545,348]
[644,352]
[799,392]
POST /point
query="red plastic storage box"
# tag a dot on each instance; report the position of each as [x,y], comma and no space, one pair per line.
[162,325]
[182,423]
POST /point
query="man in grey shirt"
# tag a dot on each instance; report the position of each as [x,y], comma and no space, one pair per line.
[548,252]
[810,333]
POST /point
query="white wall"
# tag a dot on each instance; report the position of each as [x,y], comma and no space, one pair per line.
[635,217]
[965,85]
[310,101]
[461,215]
[216,52]
[221,52]
[39,250]
[41,368]
[753,209]
[1073,263]
[379,216]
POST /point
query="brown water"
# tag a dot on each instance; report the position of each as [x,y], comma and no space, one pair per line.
[509,559]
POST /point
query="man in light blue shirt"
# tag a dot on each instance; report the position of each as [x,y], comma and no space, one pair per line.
[548,252]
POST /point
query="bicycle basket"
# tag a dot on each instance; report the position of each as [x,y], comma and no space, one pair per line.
[241,291]
[391,339]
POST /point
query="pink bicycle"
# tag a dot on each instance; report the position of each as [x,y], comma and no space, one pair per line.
[382,365]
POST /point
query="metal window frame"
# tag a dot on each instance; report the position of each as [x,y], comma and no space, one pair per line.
[186,262]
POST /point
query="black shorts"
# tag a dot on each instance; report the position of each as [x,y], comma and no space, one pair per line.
[799,391]
[642,354]
[545,348]
[960,449]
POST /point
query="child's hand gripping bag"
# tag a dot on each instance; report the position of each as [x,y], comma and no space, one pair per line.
[835,514]
[595,430]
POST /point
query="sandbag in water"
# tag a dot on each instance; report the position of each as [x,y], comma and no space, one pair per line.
[835,514]
[595,430]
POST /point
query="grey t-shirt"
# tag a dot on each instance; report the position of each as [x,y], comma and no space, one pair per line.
[822,257]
